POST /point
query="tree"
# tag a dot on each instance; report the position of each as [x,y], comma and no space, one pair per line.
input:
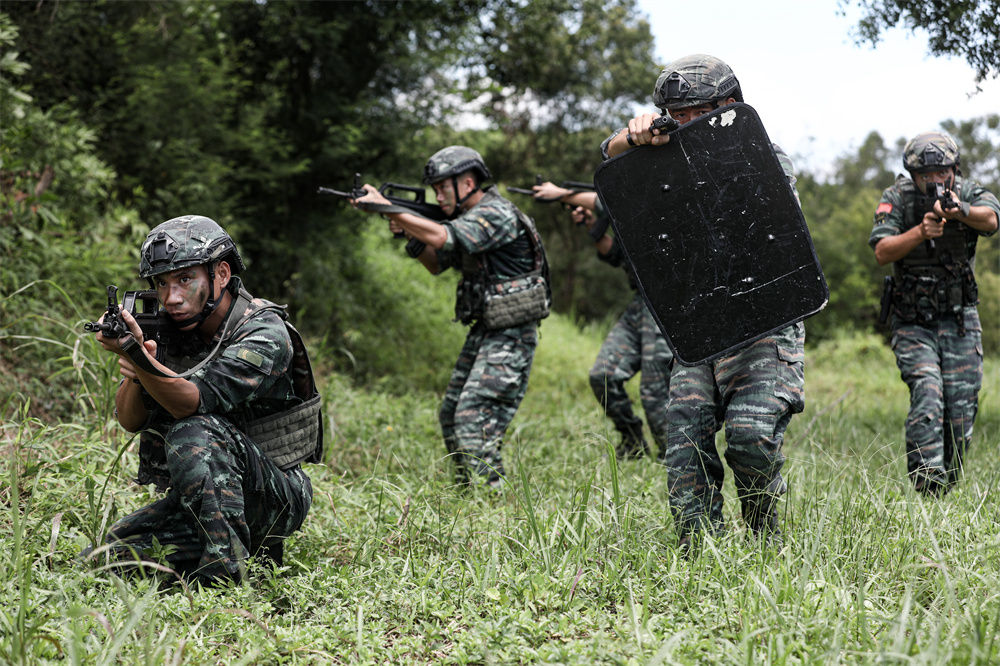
[967,29]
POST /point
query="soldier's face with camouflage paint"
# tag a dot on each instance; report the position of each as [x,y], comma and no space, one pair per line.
[445,194]
[184,292]
[688,114]
[945,176]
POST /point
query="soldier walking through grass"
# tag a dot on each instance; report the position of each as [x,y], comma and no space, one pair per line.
[927,226]
[634,343]
[754,391]
[502,295]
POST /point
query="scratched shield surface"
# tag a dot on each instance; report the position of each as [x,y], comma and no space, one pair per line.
[718,242]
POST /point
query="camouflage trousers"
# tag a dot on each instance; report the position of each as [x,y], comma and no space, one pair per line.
[226,502]
[485,390]
[755,392]
[944,372]
[632,345]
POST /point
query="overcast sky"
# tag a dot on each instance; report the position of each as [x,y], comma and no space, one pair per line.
[817,93]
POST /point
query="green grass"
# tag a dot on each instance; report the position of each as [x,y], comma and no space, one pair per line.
[574,563]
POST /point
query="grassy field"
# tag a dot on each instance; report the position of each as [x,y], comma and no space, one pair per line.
[574,563]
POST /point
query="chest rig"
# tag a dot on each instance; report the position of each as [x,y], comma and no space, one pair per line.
[497,290]
[935,279]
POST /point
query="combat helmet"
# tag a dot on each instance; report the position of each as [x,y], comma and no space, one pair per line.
[189,240]
[930,151]
[453,161]
[695,80]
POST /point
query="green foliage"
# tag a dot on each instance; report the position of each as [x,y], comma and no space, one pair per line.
[839,221]
[394,317]
[571,63]
[966,29]
[61,242]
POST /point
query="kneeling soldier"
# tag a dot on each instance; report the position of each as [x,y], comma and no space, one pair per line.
[225,436]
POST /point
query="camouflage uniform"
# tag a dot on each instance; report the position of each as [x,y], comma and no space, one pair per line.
[486,242]
[755,391]
[936,334]
[634,343]
[226,500]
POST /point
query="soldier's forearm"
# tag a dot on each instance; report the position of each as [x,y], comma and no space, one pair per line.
[426,231]
[178,396]
[894,248]
[129,408]
[980,218]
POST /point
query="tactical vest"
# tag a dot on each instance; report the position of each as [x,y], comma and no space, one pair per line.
[289,437]
[931,282]
[504,302]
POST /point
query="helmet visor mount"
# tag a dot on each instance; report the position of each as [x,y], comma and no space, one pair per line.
[933,159]
[160,252]
[676,88]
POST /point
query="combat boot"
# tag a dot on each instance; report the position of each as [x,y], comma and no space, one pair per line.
[633,444]
[760,511]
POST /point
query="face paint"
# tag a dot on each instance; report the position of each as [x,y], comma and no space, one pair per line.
[183,292]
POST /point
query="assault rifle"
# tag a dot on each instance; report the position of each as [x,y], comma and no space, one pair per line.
[403,198]
[144,306]
[936,192]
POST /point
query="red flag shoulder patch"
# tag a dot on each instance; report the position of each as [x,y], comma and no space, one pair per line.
[884,207]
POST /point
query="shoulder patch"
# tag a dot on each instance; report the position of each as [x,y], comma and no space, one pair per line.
[251,357]
[884,207]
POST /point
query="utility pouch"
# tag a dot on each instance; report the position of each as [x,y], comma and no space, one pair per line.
[288,437]
[886,304]
[516,301]
[468,300]
[970,289]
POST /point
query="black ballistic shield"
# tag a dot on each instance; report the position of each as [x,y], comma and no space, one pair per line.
[715,235]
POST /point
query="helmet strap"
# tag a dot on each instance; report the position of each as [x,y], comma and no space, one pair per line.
[458,201]
[210,305]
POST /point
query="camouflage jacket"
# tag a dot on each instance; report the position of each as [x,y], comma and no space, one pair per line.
[249,378]
[897,211]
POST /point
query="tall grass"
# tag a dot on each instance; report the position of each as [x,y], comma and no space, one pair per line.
[575,562]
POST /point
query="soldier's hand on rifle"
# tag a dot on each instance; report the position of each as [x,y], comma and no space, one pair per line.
[581,215]
[115,344]
[372,196]
[549,191]
[948,210]
[932,226]
[395,227]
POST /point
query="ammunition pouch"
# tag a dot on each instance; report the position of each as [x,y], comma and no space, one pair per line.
[469,297]
[516,301]
[924,295]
